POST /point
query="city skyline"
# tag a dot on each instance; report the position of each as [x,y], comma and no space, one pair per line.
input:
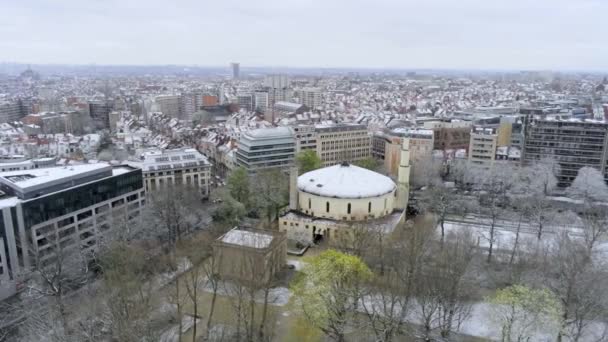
[470,34]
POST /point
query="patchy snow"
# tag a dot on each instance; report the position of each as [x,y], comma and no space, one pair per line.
[247,238]
[345,182]
[278,296]
[299,265]
[172,335]
[35,177]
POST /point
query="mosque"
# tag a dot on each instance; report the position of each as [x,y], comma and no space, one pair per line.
[330,203]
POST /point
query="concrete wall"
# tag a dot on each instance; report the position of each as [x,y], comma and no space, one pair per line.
[338,207]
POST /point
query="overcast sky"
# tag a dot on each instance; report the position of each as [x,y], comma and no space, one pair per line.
[472,34]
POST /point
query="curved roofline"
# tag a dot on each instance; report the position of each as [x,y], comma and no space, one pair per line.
[348,197]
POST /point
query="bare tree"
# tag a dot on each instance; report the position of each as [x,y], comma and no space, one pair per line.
[493,188]
[442,201]
[176,210]
[60,266]
[128,291]
[569,271]
[270,193]
[443,288]
[392,289]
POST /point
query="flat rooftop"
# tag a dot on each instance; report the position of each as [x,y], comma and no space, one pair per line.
[171,159]
[25,179]
[28,184]
[246,238]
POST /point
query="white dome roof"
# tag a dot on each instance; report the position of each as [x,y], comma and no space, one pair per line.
[345,181]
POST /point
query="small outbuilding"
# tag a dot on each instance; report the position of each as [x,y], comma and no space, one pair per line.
[250,256]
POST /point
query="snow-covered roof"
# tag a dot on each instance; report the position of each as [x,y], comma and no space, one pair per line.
[247,238]
[275,132]
[29,178]
[345,181]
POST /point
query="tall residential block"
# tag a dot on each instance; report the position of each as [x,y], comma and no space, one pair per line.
[572,143]
[236,70]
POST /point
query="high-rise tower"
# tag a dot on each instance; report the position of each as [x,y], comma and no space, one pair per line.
[236,70]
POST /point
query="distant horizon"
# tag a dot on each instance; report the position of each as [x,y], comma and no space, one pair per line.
[243,67]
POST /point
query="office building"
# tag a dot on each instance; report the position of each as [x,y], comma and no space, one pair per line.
[572,143]
[266,148]
[236,70]
[343,143]
[12,111]
[305,137]
[245,101]
[100,113]
[61,208]
[185,167]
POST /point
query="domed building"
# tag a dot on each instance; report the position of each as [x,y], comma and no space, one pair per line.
[327,203]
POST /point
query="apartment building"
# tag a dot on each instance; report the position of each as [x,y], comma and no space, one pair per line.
[185,166]
[266,148]
[386,146]
[482,147]
[170,105]
[44,211]
[453,135]
[573,143]
[261,101]
[343,143]
[310,97]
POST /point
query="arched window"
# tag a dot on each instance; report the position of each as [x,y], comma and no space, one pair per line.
[348,208]
[369,207]
[309,203]
[327,206]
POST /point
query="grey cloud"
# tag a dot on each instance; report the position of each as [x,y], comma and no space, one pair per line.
[497,34]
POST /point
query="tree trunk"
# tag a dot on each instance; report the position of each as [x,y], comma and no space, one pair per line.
[516,240]
[62,314]
[195,310]
[490,250]
[264,313]
[179,309]
[250,333]
[211,309]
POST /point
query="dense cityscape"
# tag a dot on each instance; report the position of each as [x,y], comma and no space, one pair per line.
[303,171]
[331,205]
